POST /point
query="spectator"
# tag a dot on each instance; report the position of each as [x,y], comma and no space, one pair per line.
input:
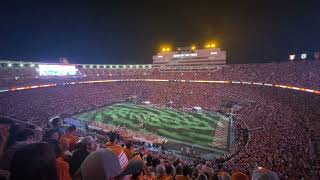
[112,141]
[86,146]
[129,149]
[202,177]
[51,134]
[239,176]
[21,138]
[70,137]
[62,166]
[34,161]
[186,173]
[161,173]
[264,174]
[57,124]
[5,125]
[107,164]
[169,171]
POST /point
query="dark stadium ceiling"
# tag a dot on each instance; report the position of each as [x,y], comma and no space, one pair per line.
[120,31]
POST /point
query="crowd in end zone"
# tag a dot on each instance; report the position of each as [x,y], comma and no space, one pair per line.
[276,130]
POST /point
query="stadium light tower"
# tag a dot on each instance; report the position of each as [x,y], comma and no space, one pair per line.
[292,57]
[210,45]
[165,48]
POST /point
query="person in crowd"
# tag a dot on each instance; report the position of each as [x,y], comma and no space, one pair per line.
[161,172]
[222,175]
[185,173]
[85,147]
[239,176]
[106,163]
[178,170]
[70,137]
[129,149]
[112,140]
[202,176]
[58,125]
[170,171]
[5,125]
[34,161]
[51,134]
[62,166]
[149,160]
[23,137]
[264,174]
[155,163]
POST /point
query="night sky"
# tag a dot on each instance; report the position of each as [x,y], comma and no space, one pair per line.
[110,32]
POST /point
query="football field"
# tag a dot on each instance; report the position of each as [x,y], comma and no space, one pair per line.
[176,126]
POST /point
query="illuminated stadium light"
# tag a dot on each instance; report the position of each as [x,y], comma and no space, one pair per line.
[292,57]
[21,65]
[193,47]
[166,48]
[9,64]
[211,45]
[304,56]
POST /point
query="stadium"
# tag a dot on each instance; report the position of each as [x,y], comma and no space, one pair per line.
[240,116]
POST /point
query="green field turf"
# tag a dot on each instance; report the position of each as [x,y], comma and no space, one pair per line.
[183,127]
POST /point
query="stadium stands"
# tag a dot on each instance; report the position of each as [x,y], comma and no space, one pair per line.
[275,128]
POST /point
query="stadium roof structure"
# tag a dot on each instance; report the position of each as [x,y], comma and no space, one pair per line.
[14,64]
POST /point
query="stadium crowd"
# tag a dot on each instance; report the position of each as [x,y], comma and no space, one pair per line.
[276,129]
[300,73]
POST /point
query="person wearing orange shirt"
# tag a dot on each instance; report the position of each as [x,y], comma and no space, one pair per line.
[62,166]
[112,141]
[186,172]
[70,137]
[129,149]
[161,173]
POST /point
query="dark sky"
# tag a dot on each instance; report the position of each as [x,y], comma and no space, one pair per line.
[131,31]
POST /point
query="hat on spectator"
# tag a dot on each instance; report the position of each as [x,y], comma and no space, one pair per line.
[107,163]
[239,176]
[264,174]
[86,140]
